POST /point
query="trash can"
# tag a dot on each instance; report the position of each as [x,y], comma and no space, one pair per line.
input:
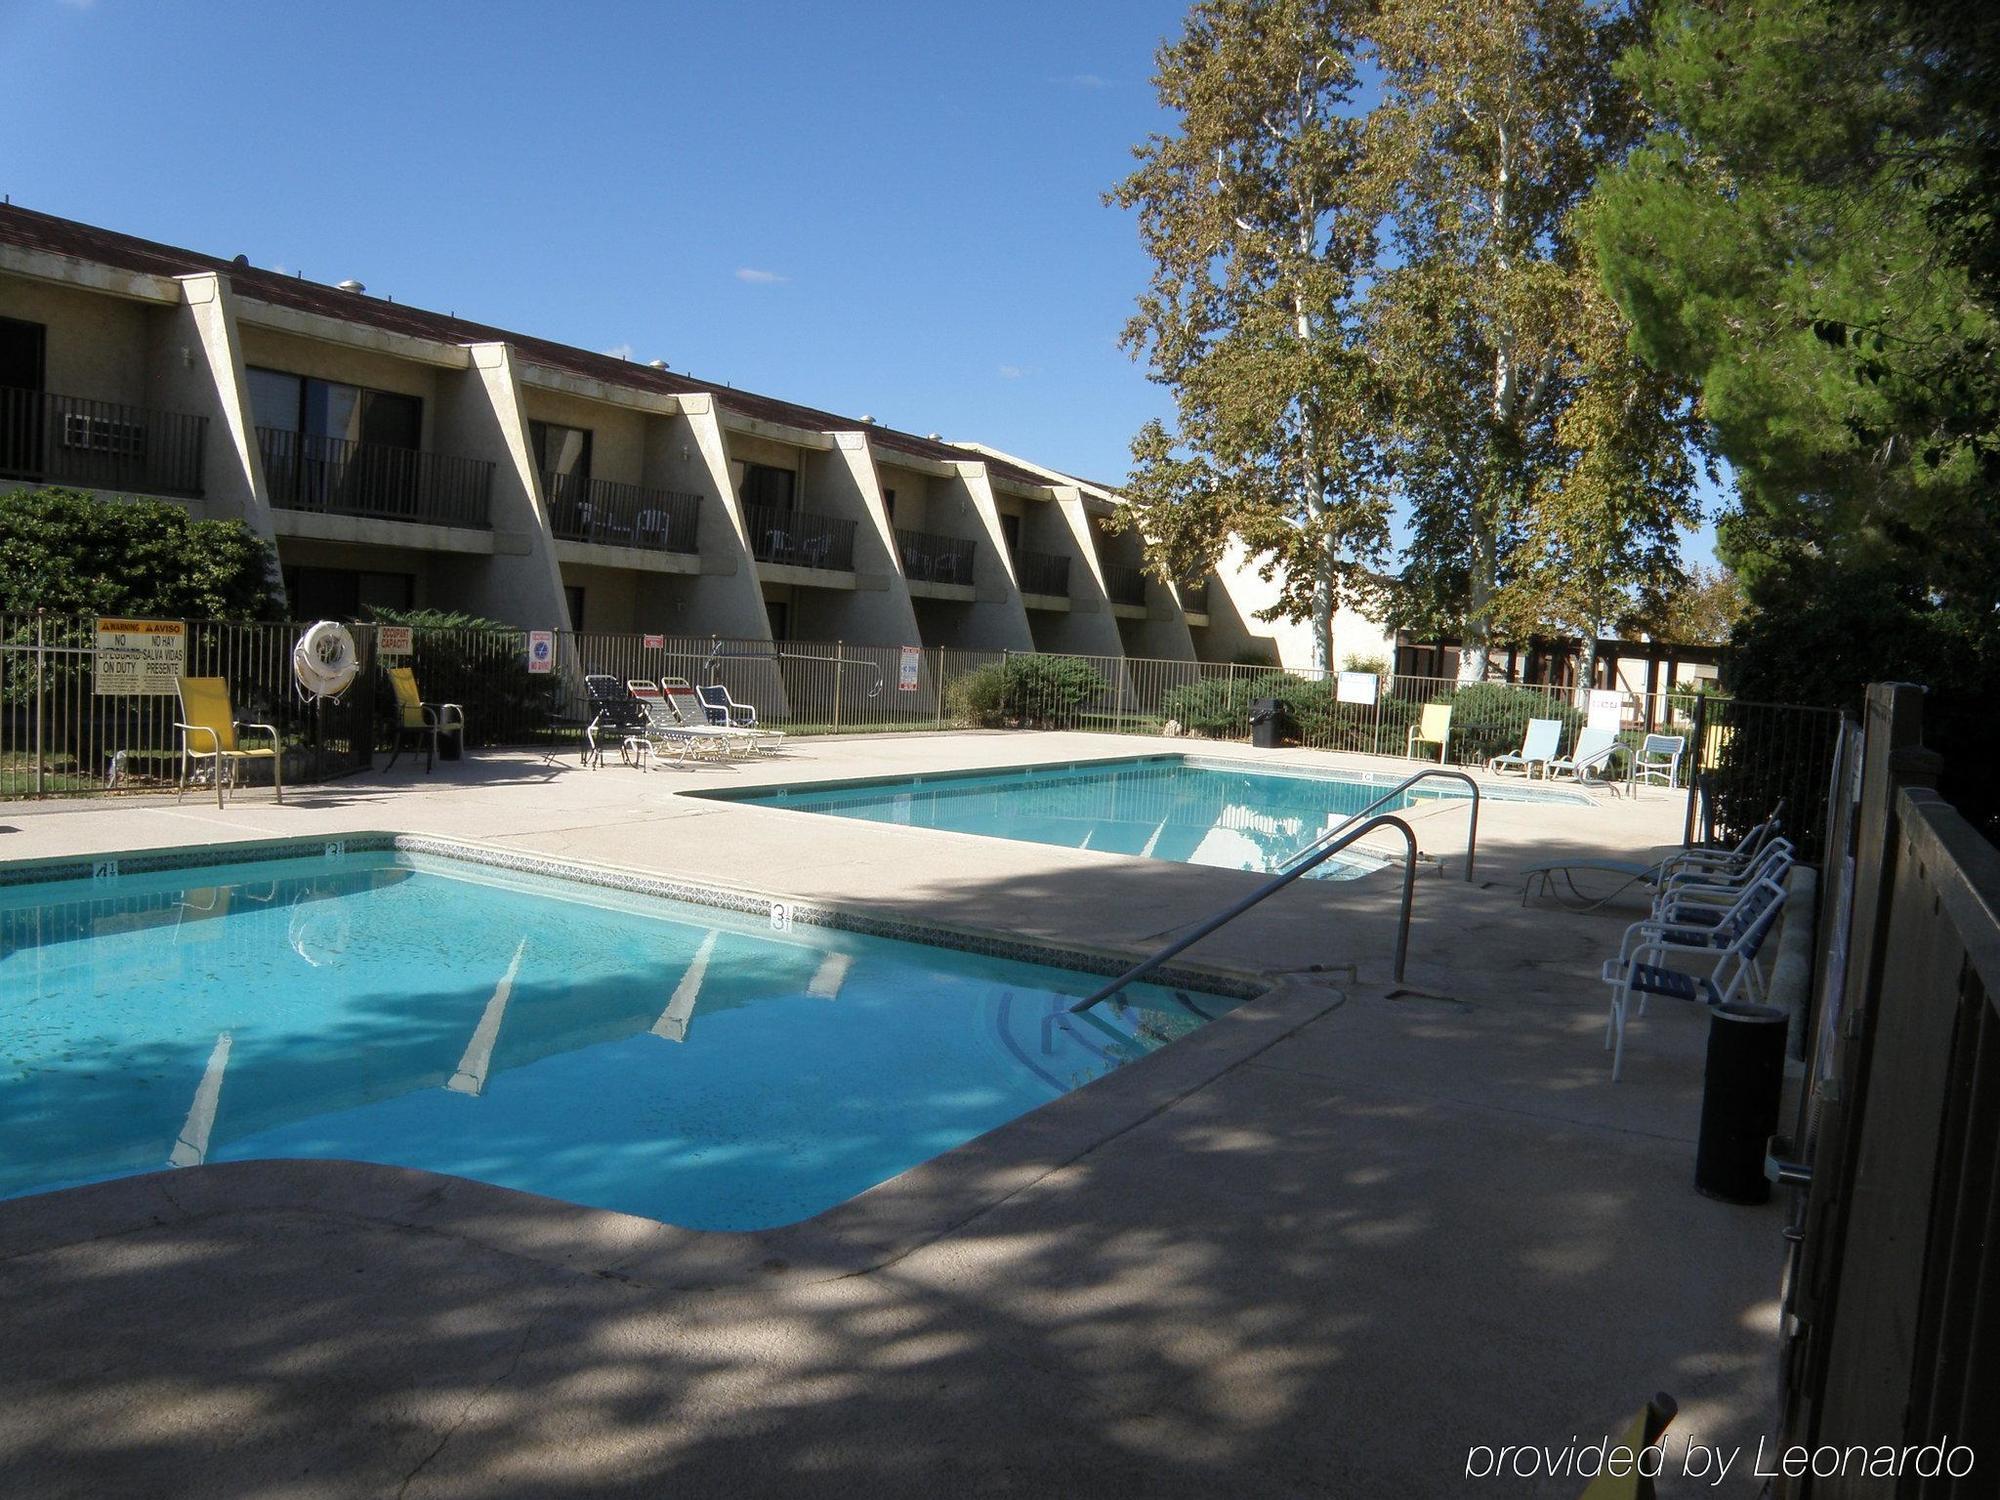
[451,743]
[1739,1101]
[1271,722]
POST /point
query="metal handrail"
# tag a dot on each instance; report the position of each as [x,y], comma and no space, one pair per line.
[1472,834]
[1271,888]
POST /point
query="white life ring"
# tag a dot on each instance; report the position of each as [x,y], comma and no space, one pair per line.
[324,661]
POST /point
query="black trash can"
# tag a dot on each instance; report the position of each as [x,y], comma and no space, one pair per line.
[1739,1101]
[451,743]
[1271,722]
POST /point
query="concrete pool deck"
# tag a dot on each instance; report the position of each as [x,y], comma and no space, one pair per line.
[1323,1246]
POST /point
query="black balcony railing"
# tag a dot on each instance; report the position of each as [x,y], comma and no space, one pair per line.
[100,445]
[799,537]
[934,559]
[1041,573]
[341,478]
[621,515]
[1124,584]
[1194,594]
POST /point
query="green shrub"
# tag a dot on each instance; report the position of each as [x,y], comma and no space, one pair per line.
[979,698]
[1216,707]
[1048,691]
[1031,691]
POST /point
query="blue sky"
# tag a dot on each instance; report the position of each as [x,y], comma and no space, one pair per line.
[883,208]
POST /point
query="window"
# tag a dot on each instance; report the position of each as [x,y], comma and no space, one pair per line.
[21,346]
[889,504]
[329,409]
[563,452]
[1010,532]
[346,593]
[573,597]
[769,487]
[781,619]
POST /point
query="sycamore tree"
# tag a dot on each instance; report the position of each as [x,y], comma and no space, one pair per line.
[1544,472]
[1602,514]
[1257,217]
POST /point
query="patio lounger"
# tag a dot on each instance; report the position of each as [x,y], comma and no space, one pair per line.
[210,731]
[688,704]
[428,721]
[1659,758]
[1588,758]
[618,715]
[1434,728]
[715,697]
[1644,1432]
[715,700]
[1538,748]
[1627,872]
[1730,948]
[665,724]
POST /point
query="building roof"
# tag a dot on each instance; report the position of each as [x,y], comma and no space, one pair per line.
[26,228]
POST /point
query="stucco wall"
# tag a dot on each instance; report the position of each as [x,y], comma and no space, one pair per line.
[96,347]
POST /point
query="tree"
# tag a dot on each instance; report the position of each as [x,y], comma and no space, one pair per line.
[1703,611]
[1599,543]
[1532,456]
[1258,243]
[72,554]
[1807,234]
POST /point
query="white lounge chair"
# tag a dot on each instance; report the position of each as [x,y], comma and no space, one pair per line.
[1730,949]
[701,737]
[1588,758]
[1538,748]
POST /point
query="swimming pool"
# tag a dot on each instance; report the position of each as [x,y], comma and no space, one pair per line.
[683,1062]
[1174,807]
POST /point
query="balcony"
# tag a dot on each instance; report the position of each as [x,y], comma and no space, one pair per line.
[1041,573]
[99,445]
[800,538]
[1194,593]
[1124,584]
[621,515]
[336,477]
[928,558]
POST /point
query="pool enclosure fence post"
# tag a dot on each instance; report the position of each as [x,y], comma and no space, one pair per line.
[1699,741]
[38,703]
[839,651]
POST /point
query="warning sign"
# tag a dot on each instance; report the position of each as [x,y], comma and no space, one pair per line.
[139,657]
[541,650]
[911,665]
[392,640]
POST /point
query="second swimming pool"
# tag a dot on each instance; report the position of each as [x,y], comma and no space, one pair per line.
[1174,807]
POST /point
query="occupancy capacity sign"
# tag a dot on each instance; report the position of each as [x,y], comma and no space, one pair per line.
[139,657]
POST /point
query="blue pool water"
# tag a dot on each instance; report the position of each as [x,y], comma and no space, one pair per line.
[1163,807]
[664,1059]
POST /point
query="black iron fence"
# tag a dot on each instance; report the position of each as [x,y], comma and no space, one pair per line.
[621,515]
[339,477]
[1124,583]
[1042,573]
[928,558]
[102,445]
[800,537]
[1745,758]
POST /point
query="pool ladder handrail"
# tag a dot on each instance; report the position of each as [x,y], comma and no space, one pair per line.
[1471,836]
[1271,887]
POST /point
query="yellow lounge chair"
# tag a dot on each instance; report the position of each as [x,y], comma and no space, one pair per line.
[414,716]
[1644,1431]
[1434,729]
[210,731]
